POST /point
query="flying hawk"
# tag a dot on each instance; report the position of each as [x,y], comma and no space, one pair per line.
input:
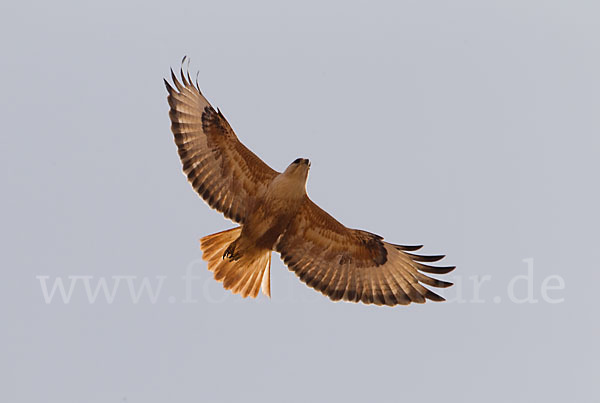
[275,214]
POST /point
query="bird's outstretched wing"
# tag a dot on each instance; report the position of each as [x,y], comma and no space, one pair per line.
[225,173]
[354,265]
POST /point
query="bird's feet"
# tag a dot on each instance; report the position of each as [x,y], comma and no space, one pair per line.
[230,253]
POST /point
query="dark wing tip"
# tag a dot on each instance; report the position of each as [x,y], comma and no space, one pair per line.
[434,269]
[197,86]
[422,258]
[168,86]
[176,82]
[186,80]
[443,284]
[434,282]
[183,78]
[409,248]
[430,295]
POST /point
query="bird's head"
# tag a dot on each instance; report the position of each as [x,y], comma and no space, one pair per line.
[299,168]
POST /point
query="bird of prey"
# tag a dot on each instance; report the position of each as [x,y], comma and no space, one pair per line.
[275,214]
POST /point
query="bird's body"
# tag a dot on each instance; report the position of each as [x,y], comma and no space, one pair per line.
[276,214]
[271,213]
[277,206]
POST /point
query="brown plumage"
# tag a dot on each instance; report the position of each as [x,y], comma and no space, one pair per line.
[276,215]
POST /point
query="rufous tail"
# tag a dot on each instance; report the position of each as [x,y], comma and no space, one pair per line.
[245,276]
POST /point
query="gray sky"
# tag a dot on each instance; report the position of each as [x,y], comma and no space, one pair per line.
[470,127]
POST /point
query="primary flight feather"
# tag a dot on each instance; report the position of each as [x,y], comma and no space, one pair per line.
[276,214]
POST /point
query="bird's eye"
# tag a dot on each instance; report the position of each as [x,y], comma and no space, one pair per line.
[297,160]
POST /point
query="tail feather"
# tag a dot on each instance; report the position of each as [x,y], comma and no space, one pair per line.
[253,280]
[247,275]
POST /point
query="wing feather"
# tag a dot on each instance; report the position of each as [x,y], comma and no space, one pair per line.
[225,173]
[355,265]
